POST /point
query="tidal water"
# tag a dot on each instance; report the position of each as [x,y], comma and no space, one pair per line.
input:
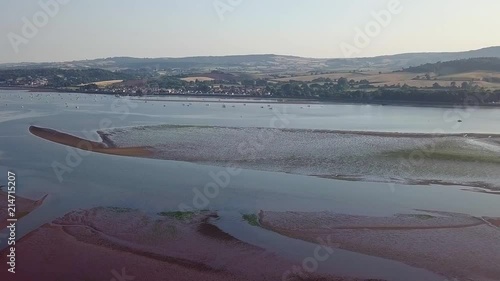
[93,180]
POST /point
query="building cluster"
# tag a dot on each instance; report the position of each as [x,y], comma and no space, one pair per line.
[212,90]
[26,82]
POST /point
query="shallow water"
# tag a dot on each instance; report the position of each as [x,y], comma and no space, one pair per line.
[340,262]
[155,185]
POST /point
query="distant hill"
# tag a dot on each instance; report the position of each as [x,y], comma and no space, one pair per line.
[266,63]
[458,66]
[188,62]
[397,62]
[242,63]
[55,77]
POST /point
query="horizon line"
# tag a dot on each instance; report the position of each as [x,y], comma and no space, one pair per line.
[253,54]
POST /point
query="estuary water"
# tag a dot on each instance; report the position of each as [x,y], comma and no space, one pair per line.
[93,180]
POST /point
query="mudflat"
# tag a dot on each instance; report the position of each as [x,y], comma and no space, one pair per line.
[76,142]
[99,243]
[435,241]
[469,160]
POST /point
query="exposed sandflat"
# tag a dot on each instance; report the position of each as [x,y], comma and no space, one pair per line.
[91,244]
[76,142]
[454,245]
[371,156]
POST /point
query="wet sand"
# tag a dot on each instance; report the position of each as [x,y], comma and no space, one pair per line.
[401,158]
[95,244]
[454,245]
[24,206]
[494,221]
[99,147]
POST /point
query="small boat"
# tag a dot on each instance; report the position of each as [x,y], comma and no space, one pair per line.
[460,121]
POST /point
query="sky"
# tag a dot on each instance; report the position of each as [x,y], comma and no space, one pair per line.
[65,30]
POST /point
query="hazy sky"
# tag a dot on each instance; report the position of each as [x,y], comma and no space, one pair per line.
[88,29]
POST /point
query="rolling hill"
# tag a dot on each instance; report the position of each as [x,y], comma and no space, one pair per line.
[396,62]
[458,66]
[266,63]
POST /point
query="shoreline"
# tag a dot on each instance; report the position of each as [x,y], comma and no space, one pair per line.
[326,131]
[264,99]
[105,147]
[172,150]
[480,187]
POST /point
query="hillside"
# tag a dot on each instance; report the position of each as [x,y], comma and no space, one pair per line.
[396,62]
[458,66]
[243,63]
[55,77]
[266,63]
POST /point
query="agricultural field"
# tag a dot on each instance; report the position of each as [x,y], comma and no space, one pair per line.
[197,78]
[104,84]
[482,79]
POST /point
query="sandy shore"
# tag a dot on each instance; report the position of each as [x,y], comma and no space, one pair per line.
[411,159]
[76,142]
[95,244]
[404,158]
[453,245]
